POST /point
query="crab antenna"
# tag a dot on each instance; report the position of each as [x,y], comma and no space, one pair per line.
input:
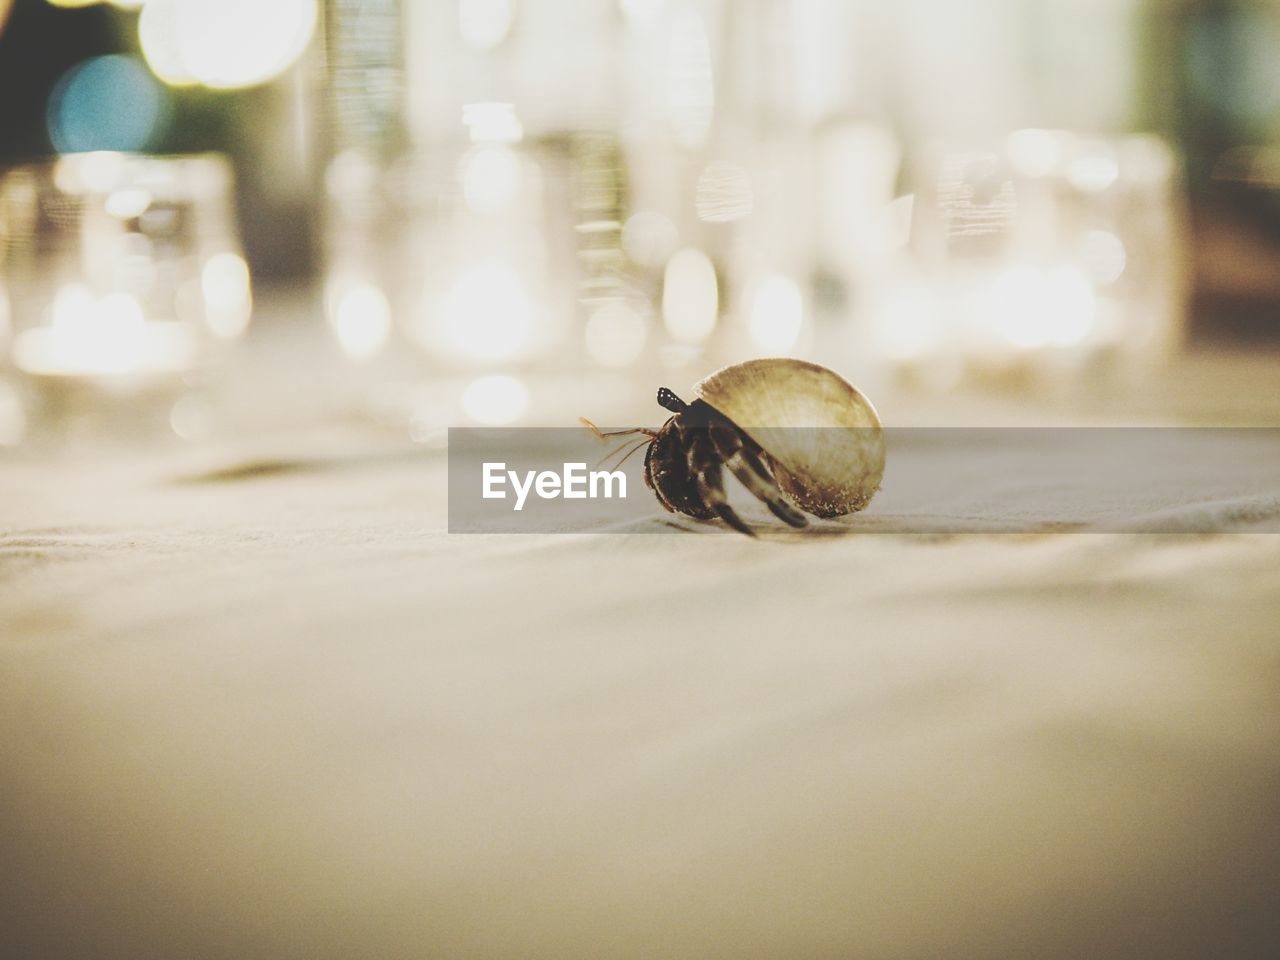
[669,401]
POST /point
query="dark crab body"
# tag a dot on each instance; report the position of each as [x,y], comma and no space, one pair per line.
[798,436]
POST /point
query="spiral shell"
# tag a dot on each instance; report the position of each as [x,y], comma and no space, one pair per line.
[820,434]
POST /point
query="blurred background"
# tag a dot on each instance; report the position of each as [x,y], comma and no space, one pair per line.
[432,212]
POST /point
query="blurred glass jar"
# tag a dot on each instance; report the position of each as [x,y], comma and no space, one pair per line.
[1050,248]
[119,274]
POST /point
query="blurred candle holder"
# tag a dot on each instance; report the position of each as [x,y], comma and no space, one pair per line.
[1050,252]
[123,283]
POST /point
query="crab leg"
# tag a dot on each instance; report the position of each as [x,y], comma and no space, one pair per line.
[704,465]
[754,475]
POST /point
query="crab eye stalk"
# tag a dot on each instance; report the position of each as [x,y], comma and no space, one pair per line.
[669,401]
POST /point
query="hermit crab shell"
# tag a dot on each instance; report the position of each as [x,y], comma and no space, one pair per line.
[822,436]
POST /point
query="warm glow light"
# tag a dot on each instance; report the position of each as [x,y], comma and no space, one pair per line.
[485,23]
[158,37]
[649,238]
[1033,152]
[724,193]
[1103,256]
[495,400]
[102,337]
[690,82]
[1040,307]
[228,44]
[905,327]
[73,4]
[777,314]
[361,319]
[690,296]
[88,172]
[224,281]
[615,335]
[488,314]
[128,203]
[492,122]
[1094,170]
[490,176]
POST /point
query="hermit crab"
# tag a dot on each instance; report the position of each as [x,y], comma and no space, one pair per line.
[798,436]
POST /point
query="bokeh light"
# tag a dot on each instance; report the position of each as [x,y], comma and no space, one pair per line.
[492,121]
[107,103]
[690,296]
[103,336]
[225,45]
[227,294]
[360,317]
[89,172]
[777,314]
[616,334]
[127,203]
[906,323]
[495,400]
[158,37]
[1094,170]
[1103,255]
[488,314]
[1034,306]
[490,174]
[1034,152]
[649,238]
[484,24]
